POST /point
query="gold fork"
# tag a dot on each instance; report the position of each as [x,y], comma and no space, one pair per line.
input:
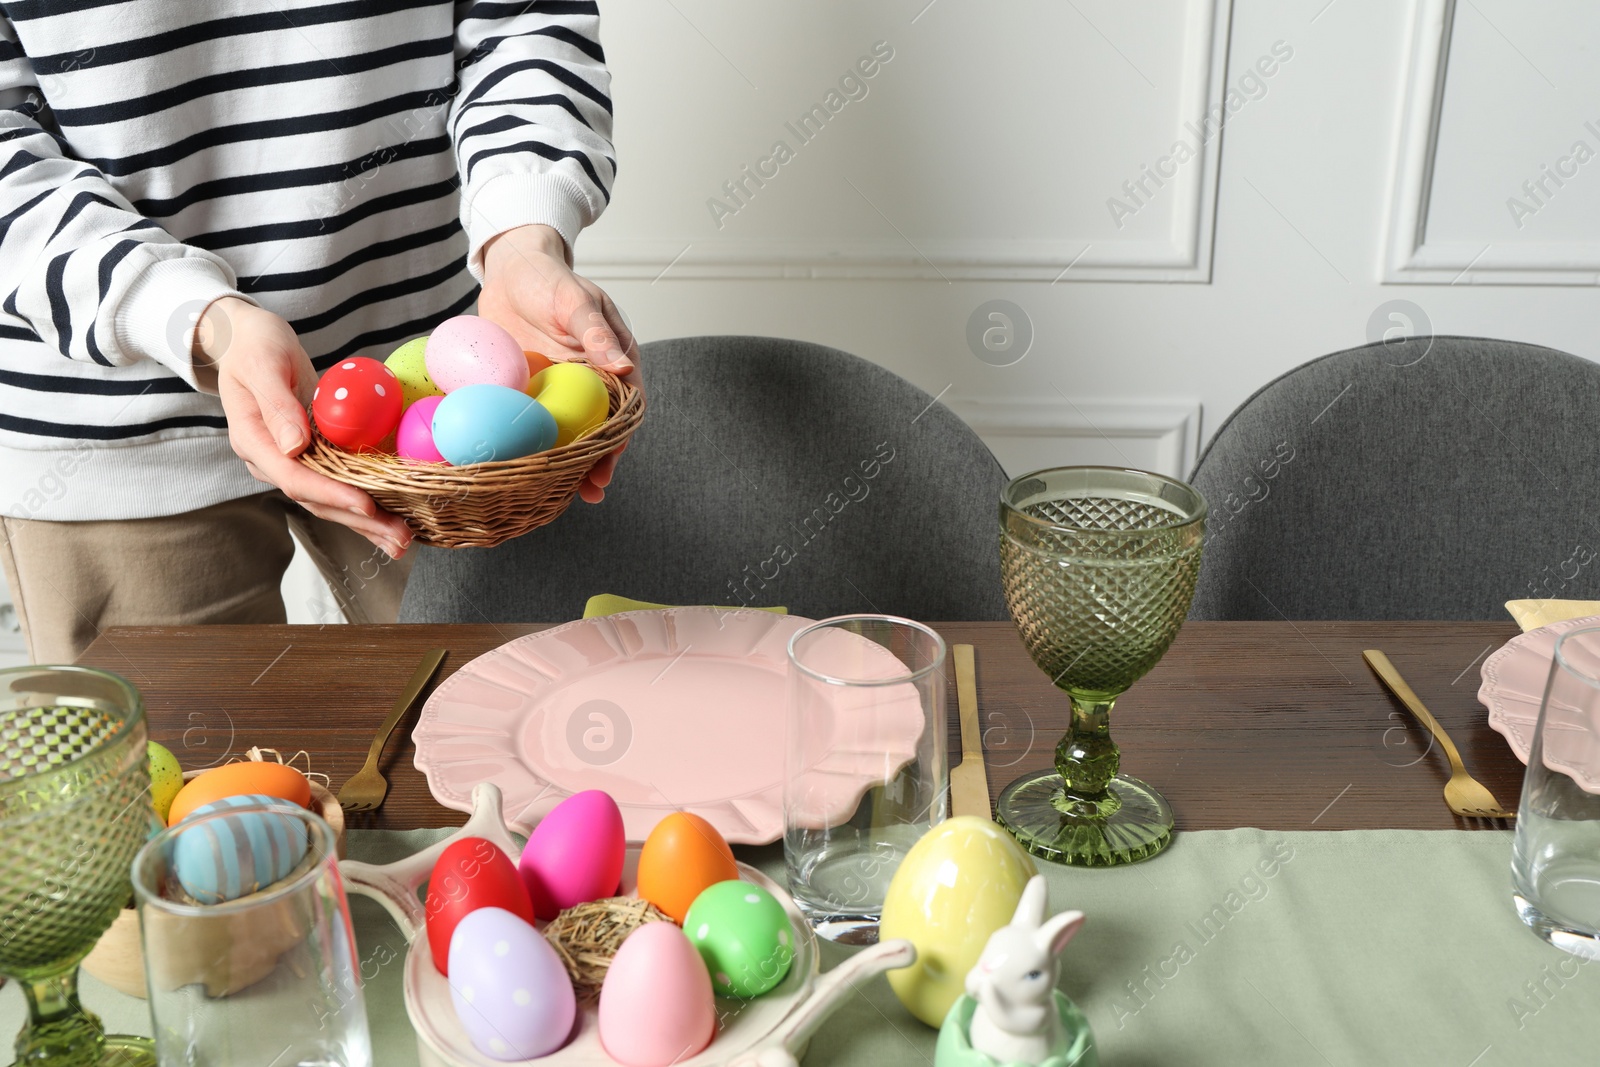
[1464,794]
[365,790]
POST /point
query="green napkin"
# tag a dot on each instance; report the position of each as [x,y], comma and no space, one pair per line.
[610,604]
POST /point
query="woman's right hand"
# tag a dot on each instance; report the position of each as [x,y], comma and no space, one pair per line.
[266,381]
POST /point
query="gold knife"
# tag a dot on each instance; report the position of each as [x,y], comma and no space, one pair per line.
[969,783]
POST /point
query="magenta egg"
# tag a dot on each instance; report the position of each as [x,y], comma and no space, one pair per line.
[414,440]
[575,854]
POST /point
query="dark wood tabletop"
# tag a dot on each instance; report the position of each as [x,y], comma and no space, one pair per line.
[1272,724]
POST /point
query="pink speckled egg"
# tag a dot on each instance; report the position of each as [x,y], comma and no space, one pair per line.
[575,854]
[414,440]
[655,1005]
[467,350]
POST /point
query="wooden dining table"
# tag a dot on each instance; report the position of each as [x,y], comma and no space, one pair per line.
[1278,725]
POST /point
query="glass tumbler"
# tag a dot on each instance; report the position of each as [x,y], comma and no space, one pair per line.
[1555,861]
[270,978]
[865,764]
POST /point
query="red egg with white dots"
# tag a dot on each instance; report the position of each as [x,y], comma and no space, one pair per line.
[357,403]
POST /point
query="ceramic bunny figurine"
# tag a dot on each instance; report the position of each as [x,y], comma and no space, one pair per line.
[1015,979]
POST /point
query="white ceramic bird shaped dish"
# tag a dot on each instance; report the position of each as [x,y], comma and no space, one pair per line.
[1012,1012]
[768,1031]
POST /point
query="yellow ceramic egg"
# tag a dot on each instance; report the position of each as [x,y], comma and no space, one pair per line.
[407,364]
[958,884]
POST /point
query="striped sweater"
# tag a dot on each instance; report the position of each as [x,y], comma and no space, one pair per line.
[339,162]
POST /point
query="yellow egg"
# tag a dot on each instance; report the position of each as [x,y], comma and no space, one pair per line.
[407,364]
[166,778]
[958,884]
[574,395]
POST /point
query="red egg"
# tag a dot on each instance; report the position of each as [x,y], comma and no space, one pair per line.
[357,403]
[471,873]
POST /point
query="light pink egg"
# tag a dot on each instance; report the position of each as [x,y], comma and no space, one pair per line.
[468,350]
[655,1004]
[414,440]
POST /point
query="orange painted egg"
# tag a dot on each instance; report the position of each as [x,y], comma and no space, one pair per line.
[683,855]
[237,779]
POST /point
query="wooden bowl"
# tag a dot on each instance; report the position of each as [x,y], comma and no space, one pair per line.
[117,959]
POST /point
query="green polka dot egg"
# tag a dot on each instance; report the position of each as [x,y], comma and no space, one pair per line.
[408,366]
[743,935]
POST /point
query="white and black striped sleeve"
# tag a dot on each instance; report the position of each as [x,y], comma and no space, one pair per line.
[531,119]
[94,279]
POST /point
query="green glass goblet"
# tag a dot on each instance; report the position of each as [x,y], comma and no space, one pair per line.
[1099,567]
[74,809]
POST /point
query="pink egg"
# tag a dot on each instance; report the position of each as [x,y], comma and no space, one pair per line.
[414,440]
[575,854]
[467,350]
[655,1004]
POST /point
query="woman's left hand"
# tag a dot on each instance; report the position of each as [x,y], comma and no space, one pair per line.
[529,289]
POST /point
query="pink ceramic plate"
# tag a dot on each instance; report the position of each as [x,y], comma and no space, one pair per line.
[1513,688]
[674,710]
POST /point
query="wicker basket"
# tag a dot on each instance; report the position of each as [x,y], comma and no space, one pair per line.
[484,504]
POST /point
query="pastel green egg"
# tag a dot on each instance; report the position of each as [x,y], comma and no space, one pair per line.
[743,934]
[166,778]
[406,362]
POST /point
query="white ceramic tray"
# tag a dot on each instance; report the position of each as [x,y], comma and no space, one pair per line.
[768,1031]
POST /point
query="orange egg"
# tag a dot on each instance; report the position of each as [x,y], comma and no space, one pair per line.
[682,856]
[237,779]
[536,362]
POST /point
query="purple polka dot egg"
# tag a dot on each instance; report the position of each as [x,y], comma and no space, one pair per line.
[510,990]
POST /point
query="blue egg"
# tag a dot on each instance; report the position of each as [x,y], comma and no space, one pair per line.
[239,853]
[479,423]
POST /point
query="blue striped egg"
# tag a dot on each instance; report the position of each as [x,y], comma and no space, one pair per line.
[237,854]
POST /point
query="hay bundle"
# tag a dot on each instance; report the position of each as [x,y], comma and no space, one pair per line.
[587,936]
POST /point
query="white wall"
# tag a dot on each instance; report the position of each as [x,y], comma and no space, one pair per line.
[979,164]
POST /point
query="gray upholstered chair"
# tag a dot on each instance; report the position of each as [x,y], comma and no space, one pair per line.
[1422,479]
[766,472]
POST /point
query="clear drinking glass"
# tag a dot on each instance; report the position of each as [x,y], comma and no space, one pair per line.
[1555,862]
[866,772]
[268,979]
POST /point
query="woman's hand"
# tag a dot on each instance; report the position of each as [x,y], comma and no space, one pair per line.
[265,381]
[529,289]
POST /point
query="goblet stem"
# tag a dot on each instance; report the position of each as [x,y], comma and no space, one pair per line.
[59,1030]
[1087,760]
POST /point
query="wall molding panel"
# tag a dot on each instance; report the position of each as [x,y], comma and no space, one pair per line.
[1410,255]
[1184,255]
[1158,434]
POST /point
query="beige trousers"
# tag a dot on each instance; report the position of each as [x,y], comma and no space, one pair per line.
[222,564]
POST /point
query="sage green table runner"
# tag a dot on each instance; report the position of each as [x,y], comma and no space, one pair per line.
[1234,947]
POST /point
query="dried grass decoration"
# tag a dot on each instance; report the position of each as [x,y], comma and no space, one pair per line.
[587,936]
